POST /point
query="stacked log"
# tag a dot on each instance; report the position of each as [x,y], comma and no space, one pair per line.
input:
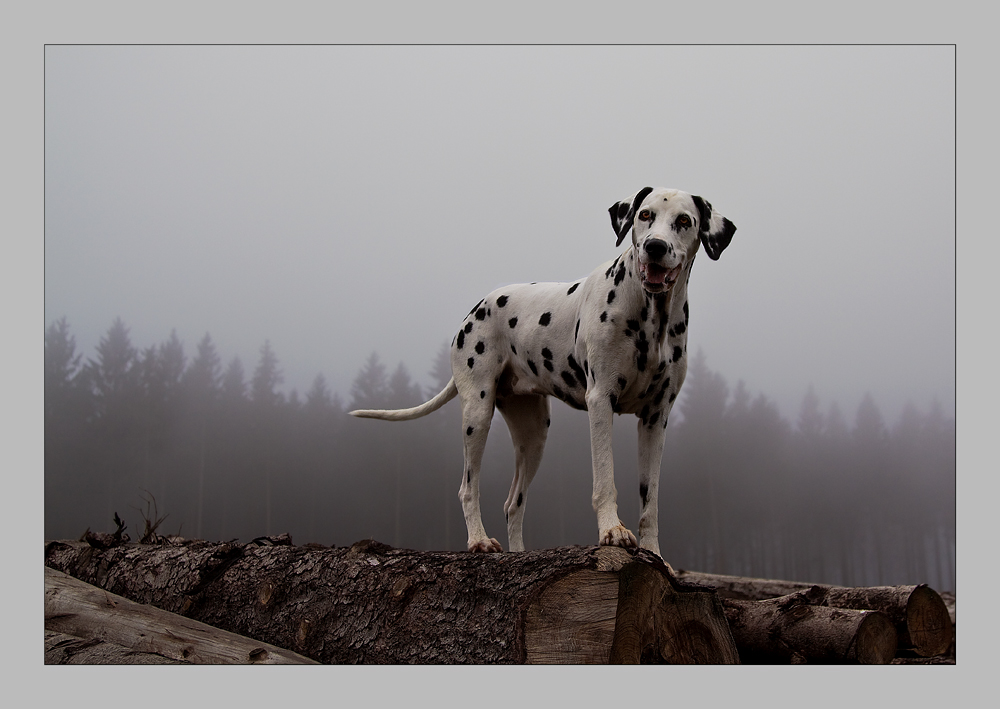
[923,623]
[370,603]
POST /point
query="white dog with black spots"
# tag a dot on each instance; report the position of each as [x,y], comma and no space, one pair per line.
[614,342]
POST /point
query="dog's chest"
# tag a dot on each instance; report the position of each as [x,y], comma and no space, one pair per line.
[642,346]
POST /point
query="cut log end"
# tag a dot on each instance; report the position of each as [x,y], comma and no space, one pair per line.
[928,622]
[875,641]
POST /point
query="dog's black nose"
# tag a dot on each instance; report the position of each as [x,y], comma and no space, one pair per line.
[656,248]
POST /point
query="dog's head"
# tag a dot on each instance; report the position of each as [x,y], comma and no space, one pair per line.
[667,226]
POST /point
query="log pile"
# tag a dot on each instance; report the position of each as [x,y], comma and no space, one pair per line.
[269,601]
[923,622]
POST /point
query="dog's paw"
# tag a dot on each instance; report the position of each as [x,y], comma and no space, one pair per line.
[485,546]
[618,536]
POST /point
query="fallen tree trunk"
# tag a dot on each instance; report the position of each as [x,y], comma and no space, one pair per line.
[63,649]
[921,618]
[373,604]
[88,625]
[797,629]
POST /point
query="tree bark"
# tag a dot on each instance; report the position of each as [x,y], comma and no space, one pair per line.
[797,629]
[88,625]
[922,620]
[373,604]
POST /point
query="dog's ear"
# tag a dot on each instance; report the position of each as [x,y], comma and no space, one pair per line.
[714,230]
[623,213]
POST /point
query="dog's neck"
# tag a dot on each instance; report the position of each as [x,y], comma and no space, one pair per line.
[667,311]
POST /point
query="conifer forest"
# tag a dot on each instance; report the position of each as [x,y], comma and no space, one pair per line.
[216,450]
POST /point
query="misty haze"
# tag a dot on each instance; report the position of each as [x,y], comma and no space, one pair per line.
[244,243]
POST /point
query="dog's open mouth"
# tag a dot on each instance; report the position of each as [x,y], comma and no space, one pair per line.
[656,277]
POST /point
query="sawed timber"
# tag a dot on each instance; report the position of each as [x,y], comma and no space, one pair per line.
[373,604]
[797,628]
[88,625]
[924,625]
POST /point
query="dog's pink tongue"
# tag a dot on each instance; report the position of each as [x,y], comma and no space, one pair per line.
[655,274]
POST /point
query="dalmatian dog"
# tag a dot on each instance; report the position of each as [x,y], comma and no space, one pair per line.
[614,342]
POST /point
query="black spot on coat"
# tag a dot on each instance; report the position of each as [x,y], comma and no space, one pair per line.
[512,322]
[480,347]
[544,320]
[572,288]
[620,275]
[581,374]
[501,301]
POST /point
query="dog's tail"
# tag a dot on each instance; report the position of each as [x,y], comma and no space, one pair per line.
[446,395]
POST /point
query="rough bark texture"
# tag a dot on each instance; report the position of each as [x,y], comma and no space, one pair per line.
[373,604]
[88,625]
[923,622]
[797,629]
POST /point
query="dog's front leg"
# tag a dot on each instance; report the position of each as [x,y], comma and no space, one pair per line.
[612,531]
[650,453]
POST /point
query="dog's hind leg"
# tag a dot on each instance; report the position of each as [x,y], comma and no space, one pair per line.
[477,413]
[527,418]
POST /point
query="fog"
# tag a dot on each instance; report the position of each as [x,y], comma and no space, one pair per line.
[339,201]
[342,200]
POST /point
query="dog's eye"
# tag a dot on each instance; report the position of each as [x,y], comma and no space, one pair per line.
[644,215]
[684,221]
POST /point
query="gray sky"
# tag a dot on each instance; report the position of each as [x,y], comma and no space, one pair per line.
[340,200]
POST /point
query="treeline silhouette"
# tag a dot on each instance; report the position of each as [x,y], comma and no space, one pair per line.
[224,454]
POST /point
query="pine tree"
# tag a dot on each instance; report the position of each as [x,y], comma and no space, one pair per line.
[266,423]
[113,376]
[234,386]
[810,423]
[68,448]
[441,369]
[869,428]
[204,377]
[318,396]
[703,398]
[370,390]
[62,365]
[115,386]
[201,384]
[402,393]
[266,378]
